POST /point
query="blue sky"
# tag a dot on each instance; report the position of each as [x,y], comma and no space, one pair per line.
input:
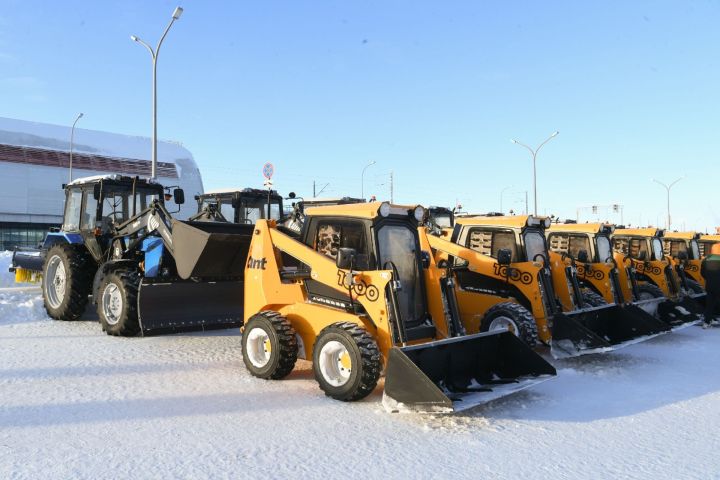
[432,91]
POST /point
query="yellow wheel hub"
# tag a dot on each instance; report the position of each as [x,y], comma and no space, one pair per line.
[267,346]
[345,361]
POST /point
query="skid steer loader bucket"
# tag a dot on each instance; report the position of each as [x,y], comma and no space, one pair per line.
[186,306]
[602,329]
[458,373]
[679,314]
[210,249]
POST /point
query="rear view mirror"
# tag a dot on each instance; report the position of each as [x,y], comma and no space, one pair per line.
[346,258]
[582,256]
[291,195]
[179,196]
[504,256]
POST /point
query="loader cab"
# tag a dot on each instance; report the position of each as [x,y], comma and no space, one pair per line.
[375,236]
[439,220]
[682,244]
[705,243]
[591,241]
[245,206]
[644,244]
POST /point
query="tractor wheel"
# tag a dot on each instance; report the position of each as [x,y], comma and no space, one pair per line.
[67,281]
[117,304]
[269,346]
[694,286]
[648,291]
[346,361]
[593,299]
[514,318]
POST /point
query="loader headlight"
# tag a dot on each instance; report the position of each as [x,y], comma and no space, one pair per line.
[537,221]
[384,209]
[547,223]
[419,213]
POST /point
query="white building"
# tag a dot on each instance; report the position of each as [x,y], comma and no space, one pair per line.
[34,164]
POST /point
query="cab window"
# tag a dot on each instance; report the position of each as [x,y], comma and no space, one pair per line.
[73,207]
[89,215]
[330,236]
[490,242]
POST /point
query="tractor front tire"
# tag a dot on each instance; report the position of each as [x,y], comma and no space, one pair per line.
[514,318]
[117,303]
[269,346]
[346,361]
[67,281]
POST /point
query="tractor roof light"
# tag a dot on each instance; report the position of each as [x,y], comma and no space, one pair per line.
[548,222]
[419,213]
[536,221]
[384,209]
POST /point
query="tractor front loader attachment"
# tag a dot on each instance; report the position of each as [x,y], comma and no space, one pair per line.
[458,373]
[602,329]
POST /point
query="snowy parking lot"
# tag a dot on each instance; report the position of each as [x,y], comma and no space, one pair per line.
[79,404]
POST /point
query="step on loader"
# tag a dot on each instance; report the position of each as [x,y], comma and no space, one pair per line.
[506,279]
[358,293]
[648,276]
[146,272]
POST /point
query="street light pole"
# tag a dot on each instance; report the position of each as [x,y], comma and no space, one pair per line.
[668,187]
[154,55]
[534,157]
[362,179]
[72,138]
[501,197]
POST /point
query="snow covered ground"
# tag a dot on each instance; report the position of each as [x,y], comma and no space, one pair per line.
[75,403]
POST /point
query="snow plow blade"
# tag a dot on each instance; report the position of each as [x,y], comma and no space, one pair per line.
[187,306]
[602,329]
[210,249]
[458,373]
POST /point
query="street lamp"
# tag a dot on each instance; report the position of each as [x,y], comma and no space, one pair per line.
[362,179]
[72,138]
[668,187]
[501,197]
[534,157]
[154,55]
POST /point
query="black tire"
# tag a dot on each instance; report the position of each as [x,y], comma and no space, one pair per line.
[123,321]
[364,361]
[592,299]
[70,302]
[650,291]
[523,320]
[282,342]
[694,286]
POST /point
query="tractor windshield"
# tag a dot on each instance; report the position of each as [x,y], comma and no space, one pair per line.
[250,210]
[603,248]
[119,204]
[224,205]
[535,246]
[398,251]
[657,248]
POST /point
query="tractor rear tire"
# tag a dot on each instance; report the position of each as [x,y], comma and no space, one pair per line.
[117,303]
[593,299]
[694,286]
[346,361]
[513,317]
[649,290]
[269,346]
[67,281]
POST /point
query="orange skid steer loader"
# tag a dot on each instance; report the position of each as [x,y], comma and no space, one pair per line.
[506,279]
[359,293]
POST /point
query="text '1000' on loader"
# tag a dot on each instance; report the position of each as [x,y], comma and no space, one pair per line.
[359,293]
[507,279]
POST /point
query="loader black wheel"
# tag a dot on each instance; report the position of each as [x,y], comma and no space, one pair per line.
[514,318]
[592,299]
[694,286]
[117,304]
[346,361]
[67,281]
[269,346]
[648,291]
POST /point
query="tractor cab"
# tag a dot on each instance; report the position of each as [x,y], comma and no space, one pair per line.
[295,219]
[440,220]
[239,206]
[706,242]
[96,206]
[683,249]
